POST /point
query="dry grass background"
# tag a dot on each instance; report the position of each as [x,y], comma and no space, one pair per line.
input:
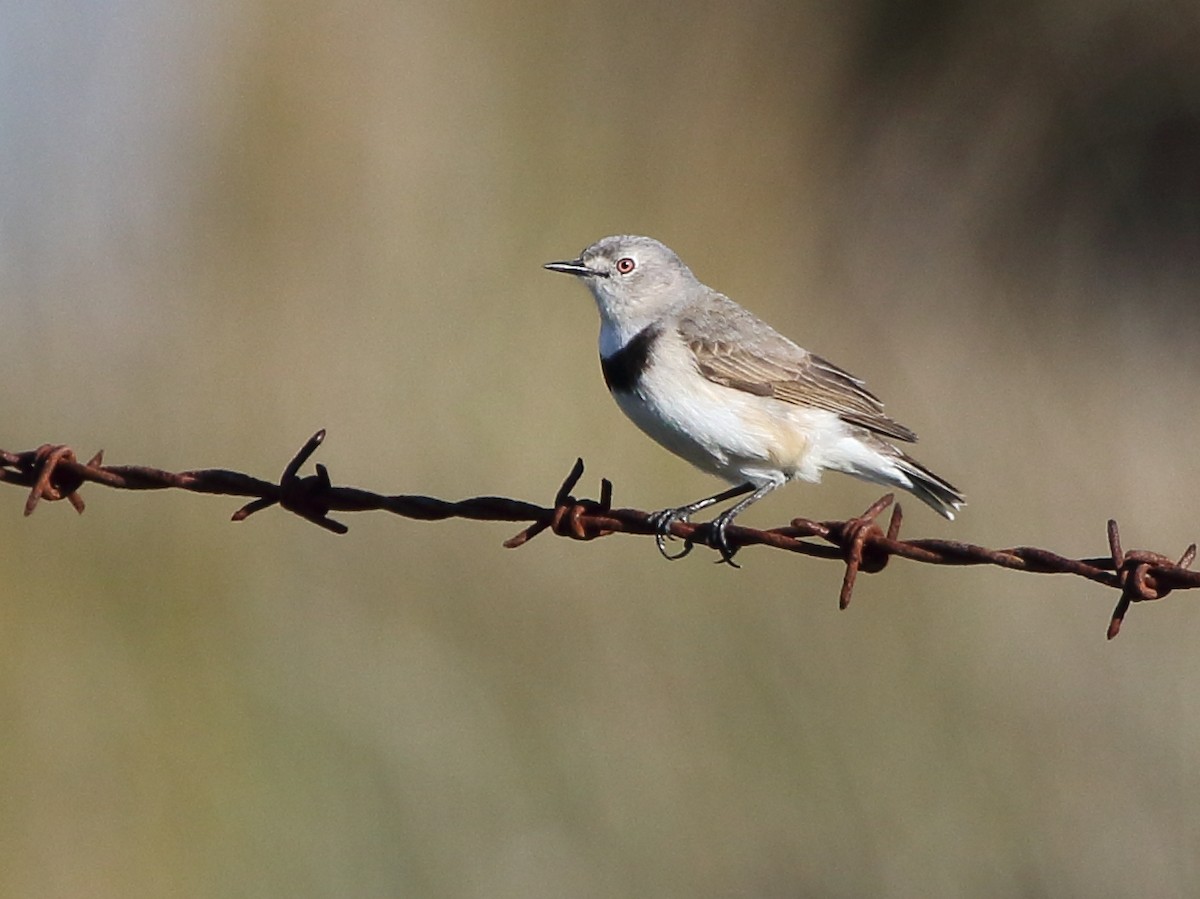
[228,224]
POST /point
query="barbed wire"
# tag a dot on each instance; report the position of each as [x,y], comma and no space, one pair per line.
[52,472]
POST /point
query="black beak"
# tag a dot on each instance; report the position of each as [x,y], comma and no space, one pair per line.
[574,267]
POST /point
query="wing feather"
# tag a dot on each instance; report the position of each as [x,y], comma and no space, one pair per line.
[769,364]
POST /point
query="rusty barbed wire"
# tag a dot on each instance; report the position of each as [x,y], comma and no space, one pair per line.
[52,472]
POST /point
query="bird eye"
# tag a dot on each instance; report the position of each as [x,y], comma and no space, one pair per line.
[625,265]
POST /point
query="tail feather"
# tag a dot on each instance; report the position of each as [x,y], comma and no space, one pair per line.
[941,495]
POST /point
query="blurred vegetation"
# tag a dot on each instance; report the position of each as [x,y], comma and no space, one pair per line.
[226,225]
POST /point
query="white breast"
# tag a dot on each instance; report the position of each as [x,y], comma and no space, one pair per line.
[730,433]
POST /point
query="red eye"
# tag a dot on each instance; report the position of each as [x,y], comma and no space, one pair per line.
[625,265]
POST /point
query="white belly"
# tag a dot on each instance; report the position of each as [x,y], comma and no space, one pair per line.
[730,433]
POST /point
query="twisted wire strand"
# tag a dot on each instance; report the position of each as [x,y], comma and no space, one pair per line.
[52,472]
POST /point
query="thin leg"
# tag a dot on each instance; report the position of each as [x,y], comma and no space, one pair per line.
[663,520]
[722,521]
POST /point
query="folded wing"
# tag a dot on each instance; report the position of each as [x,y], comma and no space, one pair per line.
[771,365]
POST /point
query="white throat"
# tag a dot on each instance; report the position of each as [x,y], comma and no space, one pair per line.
[616,333]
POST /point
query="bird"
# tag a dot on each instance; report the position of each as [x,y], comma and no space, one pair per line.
[717,386]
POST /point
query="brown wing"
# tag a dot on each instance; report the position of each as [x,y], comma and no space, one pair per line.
[768,364]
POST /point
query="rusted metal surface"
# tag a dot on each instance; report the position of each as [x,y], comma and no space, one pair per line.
[52,472]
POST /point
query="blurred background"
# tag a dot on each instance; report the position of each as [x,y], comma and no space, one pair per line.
[226,225]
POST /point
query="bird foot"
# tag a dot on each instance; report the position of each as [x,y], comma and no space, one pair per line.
[662,521]
[718,541]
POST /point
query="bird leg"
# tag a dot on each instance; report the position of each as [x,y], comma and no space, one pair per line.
[717,538]
[663,520]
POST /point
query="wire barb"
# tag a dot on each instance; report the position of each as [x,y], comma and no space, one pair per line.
[52,472]
[55,479]
[570,517]
[1140,575]
[307,497]
[853,536]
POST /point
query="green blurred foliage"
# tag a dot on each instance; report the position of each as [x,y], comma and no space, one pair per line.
[226,225]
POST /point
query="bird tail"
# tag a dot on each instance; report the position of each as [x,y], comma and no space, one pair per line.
[941,495]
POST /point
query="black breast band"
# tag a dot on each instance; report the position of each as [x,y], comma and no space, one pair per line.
[624,368]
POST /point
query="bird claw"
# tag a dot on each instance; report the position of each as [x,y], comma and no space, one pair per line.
[719,542]
[662,521]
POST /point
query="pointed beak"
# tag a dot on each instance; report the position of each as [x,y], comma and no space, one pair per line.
[573,267]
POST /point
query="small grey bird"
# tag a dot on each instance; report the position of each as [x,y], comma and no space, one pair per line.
[727,392]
